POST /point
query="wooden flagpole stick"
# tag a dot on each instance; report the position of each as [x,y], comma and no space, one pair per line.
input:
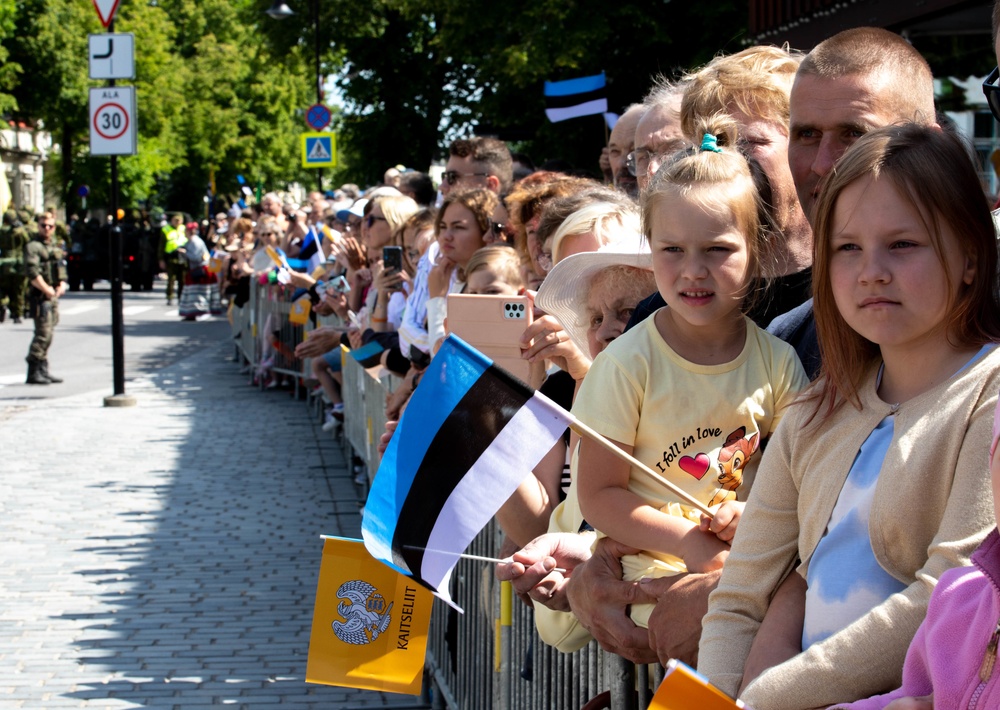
[584,430]
[494,560]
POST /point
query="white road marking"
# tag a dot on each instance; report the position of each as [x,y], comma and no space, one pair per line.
[11,380]
[135,310]
[77,310]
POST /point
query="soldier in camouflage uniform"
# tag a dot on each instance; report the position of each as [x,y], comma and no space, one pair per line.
[13,285]
[44,265]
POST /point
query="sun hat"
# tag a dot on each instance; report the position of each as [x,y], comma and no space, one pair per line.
[563,293]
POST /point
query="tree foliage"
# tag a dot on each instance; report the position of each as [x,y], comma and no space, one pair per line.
[212,101]
[416,73]
[222,87]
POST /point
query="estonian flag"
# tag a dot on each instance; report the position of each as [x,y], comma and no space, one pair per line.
[469,435]
[310,256]
[575,97]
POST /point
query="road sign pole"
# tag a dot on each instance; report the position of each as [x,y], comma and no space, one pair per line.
[119,399]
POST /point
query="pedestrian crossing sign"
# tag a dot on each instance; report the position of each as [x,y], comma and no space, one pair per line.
[319,150]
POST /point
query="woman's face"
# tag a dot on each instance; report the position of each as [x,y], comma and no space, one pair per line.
[379,232]
[415,244]
[535,275]
[610,304]
[459,234]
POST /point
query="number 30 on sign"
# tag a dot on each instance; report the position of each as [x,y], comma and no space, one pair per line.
[113,121]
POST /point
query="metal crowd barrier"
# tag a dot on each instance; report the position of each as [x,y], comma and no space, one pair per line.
[490,656]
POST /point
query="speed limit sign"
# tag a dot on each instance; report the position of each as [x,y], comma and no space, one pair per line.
[113,121]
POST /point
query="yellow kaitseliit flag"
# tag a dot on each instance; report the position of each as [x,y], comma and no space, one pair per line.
[300,310]
[683,688]
[369,624]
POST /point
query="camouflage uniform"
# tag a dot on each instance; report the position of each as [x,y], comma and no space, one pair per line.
[47,261]
[13,285]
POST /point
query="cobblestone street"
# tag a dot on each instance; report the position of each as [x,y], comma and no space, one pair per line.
[166,555]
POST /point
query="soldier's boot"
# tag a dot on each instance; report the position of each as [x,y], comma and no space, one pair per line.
[3,313]
[17,319]
[43,370]
[35,377]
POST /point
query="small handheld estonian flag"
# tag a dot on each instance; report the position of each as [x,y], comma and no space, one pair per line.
[470,434]
[585,96]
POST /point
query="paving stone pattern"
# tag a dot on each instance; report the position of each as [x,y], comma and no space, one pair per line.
[166,555]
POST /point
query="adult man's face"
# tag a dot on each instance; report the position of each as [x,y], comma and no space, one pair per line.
[620,143]
[827,116]
[46,228]
[657,135]
[271,207]
[463,173]
[766,140]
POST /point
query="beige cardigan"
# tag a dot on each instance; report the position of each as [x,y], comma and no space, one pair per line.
[932,507]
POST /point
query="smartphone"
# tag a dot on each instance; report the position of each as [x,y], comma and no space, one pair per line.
[493,325]
[392,258]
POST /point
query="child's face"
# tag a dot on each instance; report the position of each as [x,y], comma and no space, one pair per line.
[888,281]
[483,282]
[700,260]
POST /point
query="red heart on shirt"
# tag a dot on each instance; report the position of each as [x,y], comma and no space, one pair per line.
[697,466]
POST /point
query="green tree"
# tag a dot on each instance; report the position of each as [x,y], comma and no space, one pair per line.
[8,69]
[415,73]
[212,100]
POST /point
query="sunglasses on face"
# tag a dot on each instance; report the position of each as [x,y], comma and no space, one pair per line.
[991,89]
[370,220]
[453,176]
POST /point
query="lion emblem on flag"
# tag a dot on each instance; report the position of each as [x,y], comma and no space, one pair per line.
[365,612]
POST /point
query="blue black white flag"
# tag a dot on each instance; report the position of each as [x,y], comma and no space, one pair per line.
[469,435]
[310,256]
[585,96]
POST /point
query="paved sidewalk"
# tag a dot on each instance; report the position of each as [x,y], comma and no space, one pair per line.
[166,555]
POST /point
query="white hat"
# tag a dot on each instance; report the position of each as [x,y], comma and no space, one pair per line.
[563,293]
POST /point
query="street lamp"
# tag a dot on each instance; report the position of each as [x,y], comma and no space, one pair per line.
[279,11]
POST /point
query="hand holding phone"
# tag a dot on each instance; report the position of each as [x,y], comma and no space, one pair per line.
[392,264]
[494,326]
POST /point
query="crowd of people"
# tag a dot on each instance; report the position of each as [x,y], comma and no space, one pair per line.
[783,300]
[785,303]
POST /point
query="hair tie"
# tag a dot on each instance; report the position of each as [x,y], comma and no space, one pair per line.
[710,142]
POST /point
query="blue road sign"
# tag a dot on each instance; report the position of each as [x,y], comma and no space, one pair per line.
[318,117]
[319,150]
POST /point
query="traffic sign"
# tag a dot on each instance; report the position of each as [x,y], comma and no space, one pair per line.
[83,191]
[319,150]
[318,117]
[112,56]
[106,10]
[113,121]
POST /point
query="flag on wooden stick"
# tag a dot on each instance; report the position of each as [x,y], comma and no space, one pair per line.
[369,623]
[470,434]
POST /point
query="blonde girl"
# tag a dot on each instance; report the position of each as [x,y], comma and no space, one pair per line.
[693,391]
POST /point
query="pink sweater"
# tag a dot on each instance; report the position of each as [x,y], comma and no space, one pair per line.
[962,627]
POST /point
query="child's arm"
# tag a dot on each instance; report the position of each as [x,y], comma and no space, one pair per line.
[610,507]
[780,634]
